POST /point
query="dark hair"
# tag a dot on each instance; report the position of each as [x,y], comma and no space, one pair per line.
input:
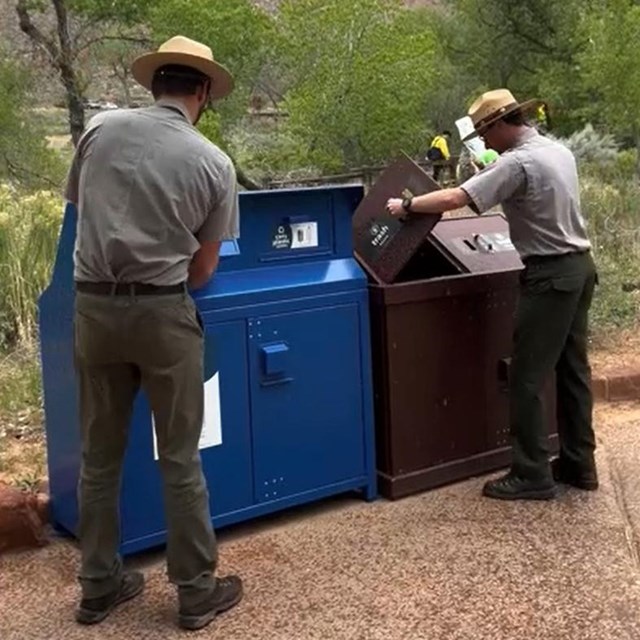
[446,132]
[176,80]
[515,119]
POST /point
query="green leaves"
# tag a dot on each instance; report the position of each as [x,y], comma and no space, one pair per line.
[24,157]
[612,64]
[357,75]
[237,32]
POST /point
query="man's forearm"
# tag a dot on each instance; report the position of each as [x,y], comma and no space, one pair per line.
[435,202]
[440,201]
[203,264]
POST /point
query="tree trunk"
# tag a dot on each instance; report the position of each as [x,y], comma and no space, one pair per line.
[75,103]
[68,73]
[127,91]
[61,56]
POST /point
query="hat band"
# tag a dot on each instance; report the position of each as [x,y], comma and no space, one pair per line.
[495,115]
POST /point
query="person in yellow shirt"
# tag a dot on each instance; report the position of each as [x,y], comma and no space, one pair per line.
[438,153]
[543,123]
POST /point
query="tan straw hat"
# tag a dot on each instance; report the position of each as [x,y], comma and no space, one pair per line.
[493,106]
[183,51]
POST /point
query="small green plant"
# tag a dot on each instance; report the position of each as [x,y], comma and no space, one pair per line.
[29,482]
[20,382]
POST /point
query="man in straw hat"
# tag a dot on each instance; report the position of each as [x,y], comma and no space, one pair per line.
[155,199]
[536,182]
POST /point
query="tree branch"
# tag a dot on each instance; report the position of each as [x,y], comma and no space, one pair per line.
[62,23]
[132,39]
[18,172]
[37,37]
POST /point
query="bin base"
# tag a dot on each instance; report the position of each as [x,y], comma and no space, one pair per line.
[394,487]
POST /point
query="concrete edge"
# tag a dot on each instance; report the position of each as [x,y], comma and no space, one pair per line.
[617,387]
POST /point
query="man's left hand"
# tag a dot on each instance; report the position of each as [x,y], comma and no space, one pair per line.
[394,207]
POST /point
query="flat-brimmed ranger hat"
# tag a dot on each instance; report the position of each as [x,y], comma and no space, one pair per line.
[189,53]
[493,106]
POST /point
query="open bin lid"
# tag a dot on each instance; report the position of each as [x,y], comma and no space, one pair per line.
[383,243]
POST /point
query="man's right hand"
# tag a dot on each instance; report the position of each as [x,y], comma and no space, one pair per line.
[203,264]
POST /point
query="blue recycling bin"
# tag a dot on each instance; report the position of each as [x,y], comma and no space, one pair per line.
[288,396]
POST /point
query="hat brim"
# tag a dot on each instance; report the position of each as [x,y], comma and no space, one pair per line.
[529,105]
[144,67]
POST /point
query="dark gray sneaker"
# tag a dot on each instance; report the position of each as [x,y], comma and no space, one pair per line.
[94,610]
[227,594]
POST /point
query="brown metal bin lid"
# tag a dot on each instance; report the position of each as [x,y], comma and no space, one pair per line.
[384,244]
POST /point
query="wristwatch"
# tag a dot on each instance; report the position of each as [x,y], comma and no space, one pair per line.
[406,204]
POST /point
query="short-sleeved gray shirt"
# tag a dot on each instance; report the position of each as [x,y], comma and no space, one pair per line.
[536,182]
[149,188]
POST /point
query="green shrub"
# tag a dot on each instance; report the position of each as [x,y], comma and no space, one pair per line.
[29,228]
[612,210]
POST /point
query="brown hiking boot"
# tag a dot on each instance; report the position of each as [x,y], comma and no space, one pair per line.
[227,594]
[94,610]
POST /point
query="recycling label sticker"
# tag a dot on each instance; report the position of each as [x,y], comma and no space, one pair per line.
[282,237]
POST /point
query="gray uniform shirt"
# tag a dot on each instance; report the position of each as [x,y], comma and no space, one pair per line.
[149,188]
[536,182]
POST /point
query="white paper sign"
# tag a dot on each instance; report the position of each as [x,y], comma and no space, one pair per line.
[475,145]
[211,435]
[304,234]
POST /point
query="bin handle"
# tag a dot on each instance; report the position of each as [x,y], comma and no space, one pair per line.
[504,373]
[276,382]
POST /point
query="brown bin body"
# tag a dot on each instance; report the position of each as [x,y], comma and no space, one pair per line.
[441,342]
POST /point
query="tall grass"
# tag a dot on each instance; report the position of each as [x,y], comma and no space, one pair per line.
[29,227]
[611,204]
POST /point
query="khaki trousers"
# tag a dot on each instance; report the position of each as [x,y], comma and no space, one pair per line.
[124,343]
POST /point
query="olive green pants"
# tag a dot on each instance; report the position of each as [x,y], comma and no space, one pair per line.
[124,343]
[552,335]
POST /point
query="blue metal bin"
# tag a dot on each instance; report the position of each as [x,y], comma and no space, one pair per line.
[288,397]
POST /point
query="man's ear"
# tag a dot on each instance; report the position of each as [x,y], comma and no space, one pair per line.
[207,89]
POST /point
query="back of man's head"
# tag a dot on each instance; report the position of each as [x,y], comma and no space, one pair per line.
[176,80]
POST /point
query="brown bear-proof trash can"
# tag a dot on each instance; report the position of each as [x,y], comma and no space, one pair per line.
[442,335]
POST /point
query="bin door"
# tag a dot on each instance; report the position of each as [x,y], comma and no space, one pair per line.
[225,445]
[307,414]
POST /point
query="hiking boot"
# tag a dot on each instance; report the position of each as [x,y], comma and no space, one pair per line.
[227,594]
[513,487]
[585,478]
[94,610]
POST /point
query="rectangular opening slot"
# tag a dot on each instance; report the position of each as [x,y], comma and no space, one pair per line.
[427,262]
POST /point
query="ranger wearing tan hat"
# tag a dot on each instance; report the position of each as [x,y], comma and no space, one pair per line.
[155,200]
[536,182]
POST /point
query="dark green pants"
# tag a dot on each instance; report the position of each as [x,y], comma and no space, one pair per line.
[551,335]
[122,344]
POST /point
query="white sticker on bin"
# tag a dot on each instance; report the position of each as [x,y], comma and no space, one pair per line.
[304,234]
[211,435]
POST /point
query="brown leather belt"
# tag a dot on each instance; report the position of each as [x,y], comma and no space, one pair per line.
[129,288]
